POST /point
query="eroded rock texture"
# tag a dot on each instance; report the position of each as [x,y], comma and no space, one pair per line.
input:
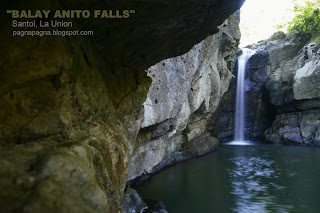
[282,91]
[294,91]
[71,108]
[63,146]
[185,91]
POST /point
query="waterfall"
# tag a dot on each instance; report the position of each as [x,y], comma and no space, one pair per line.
[240,99]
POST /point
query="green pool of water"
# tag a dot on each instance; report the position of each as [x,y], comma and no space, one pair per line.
[245,179]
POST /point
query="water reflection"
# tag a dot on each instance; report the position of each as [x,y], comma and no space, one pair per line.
[244,179]
[240,143]
[253,185]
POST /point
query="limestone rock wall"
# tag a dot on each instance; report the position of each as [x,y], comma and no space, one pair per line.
[294,91]
[282,92]
[71,108]
[185,91]
[63,146]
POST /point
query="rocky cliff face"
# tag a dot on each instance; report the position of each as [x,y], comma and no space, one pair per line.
[72,108]
[293,89]
[258,109]
[282,91]
[63,147]
[185,91]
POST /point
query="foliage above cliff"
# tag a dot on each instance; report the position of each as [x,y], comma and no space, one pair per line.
[306,19]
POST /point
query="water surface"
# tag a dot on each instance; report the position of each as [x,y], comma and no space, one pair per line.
[244,179]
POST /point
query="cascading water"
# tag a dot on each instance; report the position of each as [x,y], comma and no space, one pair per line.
[240,99]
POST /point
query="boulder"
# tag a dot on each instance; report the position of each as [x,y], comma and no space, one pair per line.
[306,81]
[132,202]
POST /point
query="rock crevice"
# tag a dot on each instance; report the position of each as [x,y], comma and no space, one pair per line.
[185,91]
[282,91]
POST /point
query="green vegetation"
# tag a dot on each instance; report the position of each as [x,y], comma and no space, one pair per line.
[306,19]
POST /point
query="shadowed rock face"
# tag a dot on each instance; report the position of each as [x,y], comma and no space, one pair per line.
[71,108]
[185,90]
[282,92]
[257,114]
[294,91]
[158,29]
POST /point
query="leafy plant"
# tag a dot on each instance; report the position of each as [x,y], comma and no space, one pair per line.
[306,19]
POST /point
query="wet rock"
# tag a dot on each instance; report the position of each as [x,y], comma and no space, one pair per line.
[285,129]
[199,146]
[310,123]
[293,87]
[258,111]
[296,127]
[317,137]
[132,202]
[290,86]
[155,206]
[282,92]
[290,135]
